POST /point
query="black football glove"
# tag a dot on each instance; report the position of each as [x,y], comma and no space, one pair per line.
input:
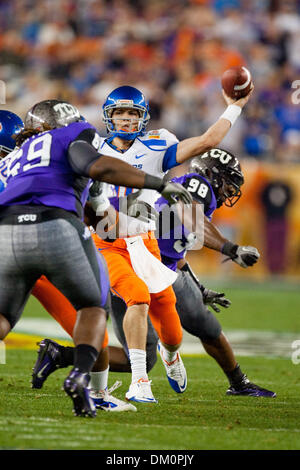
[244,256]
[212,298]
[96,189]
[141,210]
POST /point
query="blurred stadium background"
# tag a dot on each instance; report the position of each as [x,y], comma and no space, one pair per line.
[175,52]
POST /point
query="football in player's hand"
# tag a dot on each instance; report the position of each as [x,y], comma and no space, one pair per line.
[236,82]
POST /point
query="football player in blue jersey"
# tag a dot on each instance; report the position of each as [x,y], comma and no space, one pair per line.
[42,234]
[10,126]
[126,115]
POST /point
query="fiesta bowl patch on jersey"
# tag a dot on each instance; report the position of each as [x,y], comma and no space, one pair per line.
[154,134]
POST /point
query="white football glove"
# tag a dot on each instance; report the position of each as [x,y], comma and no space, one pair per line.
[244,256]
[100,203]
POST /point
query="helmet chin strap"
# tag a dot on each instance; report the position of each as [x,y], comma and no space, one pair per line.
[124,135]
[230,200]
[217,187]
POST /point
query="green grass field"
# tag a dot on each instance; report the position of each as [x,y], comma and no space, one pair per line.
[201,418]
[272,307]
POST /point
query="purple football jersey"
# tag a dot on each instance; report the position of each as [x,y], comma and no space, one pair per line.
[174,244]
[40,173]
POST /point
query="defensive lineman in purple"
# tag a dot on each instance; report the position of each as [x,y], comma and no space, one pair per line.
[215,179]
[38,175]
[41,232]
[173,248]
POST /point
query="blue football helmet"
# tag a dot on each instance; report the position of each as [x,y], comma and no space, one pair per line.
[126,97]
[10,124]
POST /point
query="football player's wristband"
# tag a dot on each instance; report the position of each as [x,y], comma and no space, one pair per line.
[229,249]
[231,113]
[153,182]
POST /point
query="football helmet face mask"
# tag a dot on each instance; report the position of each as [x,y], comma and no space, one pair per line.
[51,113]
[130,98]
[223,171]
[10,124]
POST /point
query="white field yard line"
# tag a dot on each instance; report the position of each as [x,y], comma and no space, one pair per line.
[244,342]
[25,422]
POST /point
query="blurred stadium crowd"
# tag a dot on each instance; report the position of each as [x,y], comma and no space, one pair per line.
[173,50]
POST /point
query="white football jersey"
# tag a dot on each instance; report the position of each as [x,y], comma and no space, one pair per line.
[147,154]
[4,165]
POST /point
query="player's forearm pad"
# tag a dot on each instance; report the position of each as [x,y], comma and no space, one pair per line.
[153,182]
[229,249]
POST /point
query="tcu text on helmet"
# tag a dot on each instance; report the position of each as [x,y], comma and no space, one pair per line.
[66,109]
[223,156]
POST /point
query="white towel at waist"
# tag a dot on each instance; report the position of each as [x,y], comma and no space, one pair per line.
[148,268]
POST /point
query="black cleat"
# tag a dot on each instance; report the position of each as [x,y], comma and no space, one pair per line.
[47,362]
[247,388]
[75,386]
